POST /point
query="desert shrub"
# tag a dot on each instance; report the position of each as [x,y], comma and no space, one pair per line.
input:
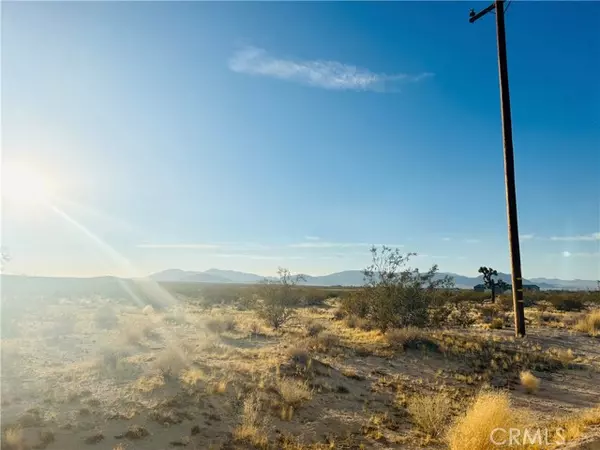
[323,342]
[365,324]
[505,302]
[395,295]
[293,392]
[497,323]
[410,338]
[430,412]
[299,356]
[351,321]
[313,328]
[278,299]
[488,312]
[106,318]
[529,381]
[566,302]
[338,314]
[171,361]
[565,356]
[489,411]
[12,438]
[448,309]
[221,324]
[590,323]
[355,304]
[313,297]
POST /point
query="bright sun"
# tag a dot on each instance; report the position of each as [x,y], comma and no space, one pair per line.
[25,185]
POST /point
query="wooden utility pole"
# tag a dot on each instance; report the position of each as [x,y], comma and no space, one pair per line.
[509,166]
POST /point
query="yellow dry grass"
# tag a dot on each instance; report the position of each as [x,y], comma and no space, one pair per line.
[590,323]
[293,392]
[489,411]
[13,439]
[192,376]
[149,383]
[252,428]
[430,412]
[530,382]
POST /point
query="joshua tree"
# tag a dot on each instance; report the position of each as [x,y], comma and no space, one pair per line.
[488,280]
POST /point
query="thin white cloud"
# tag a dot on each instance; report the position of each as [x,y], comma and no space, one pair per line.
[257,257]
[317,73]
[322,244]
[318,244]
[585,237]
[567,254]
[180,246]
[527,237]
[312,238]
[446,239]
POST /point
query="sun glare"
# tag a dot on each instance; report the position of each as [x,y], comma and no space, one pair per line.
[25,185]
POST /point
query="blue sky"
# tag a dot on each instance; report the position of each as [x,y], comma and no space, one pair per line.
[255,135]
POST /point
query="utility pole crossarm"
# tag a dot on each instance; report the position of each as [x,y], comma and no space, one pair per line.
[483,12]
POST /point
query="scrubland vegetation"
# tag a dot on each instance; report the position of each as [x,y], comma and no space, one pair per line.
[406,361]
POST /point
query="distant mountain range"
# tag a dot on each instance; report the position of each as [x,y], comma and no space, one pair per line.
[351,278]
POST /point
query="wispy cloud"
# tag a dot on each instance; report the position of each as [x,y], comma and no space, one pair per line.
[320,244]
[323,244]
[257,257]
[446,239]
[312,238]
[181,246]
[317,73]
[584,237]
[567,254]
[527,237]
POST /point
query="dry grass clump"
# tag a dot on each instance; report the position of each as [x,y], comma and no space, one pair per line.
[565,356]
[313,328]
[45,437]
[489,410]
[171,361]
[496,324]
[217,386]
[149,383]
[590,323]
[338,314]
[253,427]
[193,376]
[134,333]
[430,412]
[221,324]
[410,338]
[323,342]
[299,356]
[530,382]
[293,392]
[13,439]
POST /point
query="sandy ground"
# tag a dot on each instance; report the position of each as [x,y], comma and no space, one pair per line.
[74,378]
